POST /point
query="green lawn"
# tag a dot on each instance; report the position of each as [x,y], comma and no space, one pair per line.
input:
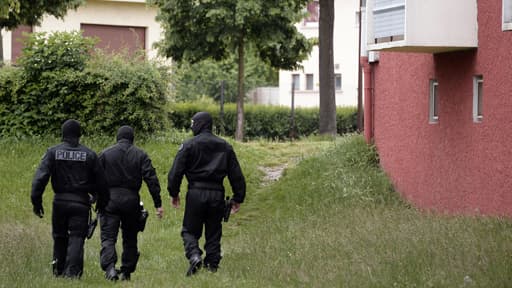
[332,220]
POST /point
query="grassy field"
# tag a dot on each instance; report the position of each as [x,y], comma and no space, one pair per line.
[331,220]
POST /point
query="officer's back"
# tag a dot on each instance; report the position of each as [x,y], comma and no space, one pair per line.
[208,158]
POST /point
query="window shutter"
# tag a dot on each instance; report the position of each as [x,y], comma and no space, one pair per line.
[389,18]
[507,11]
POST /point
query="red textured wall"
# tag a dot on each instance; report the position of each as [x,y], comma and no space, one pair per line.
[456,165]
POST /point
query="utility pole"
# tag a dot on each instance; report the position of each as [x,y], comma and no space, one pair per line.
[221,113]
[293,132]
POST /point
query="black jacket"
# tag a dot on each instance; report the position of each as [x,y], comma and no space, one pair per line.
[206,158]
[74,170]
[125,166]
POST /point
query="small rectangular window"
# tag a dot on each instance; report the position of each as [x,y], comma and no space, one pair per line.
[338,81]
[296,81]
[507,15]
[309,81]
[433,116]
[313,11]
[478,84]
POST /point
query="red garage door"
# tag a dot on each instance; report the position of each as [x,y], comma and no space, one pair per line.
[17,44]
[117,38]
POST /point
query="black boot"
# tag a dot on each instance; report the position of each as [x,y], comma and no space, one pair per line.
[124,276]
[211,267]
[111,274]
[195,264]
[55,267]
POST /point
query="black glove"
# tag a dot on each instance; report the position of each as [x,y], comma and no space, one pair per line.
[92,199]
[39,211]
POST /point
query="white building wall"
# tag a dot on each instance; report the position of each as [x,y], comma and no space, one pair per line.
[346,37]
[108,12]
[6,45]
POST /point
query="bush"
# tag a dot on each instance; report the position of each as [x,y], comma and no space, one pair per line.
[270,122]
[58,51]
[59,80]
[126,92]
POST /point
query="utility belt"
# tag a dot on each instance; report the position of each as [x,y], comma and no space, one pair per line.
[206,185]
[80,197]
[122,191]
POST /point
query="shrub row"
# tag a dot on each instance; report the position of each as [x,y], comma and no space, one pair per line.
[101,91]
[270,122]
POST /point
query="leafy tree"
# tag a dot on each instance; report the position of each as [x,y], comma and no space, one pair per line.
[8,5]
[326,69]
[29,12]
[214,29]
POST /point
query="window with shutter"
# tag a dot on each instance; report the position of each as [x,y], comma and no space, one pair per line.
[389,20]
[507,14]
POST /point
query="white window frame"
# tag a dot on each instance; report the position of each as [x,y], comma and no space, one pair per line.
[506,15]
[310,82]
[478,85]
[433,107]
[296,81]
[336,77]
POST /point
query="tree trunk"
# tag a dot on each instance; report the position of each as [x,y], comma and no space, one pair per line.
[326,68]
[239,133]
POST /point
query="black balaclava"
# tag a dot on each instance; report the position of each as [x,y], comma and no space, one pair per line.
[71,131]
[125,132]
[201,121]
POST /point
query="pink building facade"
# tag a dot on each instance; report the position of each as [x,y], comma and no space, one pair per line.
[455,164]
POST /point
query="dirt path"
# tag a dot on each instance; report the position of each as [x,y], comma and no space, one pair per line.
[272,174]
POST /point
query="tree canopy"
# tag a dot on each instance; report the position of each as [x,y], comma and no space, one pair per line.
[215,29]
[29,12]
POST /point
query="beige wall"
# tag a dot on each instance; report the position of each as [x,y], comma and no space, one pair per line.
[112,12]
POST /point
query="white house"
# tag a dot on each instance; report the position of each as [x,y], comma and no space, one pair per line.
[119,24]
[346,37]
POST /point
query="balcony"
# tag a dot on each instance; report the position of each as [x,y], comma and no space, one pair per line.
[429,26]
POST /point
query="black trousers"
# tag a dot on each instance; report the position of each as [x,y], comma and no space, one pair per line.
[125,216]
[203,208]
[69,225]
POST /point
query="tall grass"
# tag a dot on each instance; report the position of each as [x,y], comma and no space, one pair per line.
[332,220]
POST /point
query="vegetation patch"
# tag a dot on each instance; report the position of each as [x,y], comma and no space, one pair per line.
[331,220]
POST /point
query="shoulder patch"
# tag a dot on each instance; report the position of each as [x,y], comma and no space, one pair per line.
[181,147]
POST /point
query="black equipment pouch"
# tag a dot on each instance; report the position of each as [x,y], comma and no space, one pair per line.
[92,224]
[227,209]
[143,218]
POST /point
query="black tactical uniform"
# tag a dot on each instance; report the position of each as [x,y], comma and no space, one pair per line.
[205,160]
[74,173]
[125,167]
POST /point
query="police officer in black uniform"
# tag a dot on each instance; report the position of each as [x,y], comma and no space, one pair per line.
[76,178]
[205,160]
[126,166]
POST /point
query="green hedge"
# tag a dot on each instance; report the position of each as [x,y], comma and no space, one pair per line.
[270,122]
[58,79]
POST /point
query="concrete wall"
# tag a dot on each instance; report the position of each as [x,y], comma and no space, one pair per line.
[264,96]
[455,165]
